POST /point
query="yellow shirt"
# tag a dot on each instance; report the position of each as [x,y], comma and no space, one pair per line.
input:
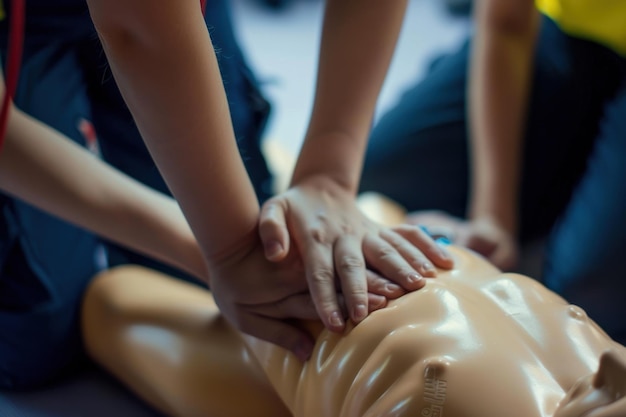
[602,21]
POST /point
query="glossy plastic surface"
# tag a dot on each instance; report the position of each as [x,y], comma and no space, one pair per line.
[473,342]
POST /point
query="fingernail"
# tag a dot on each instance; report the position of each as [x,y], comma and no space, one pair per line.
[273,248]
[335,319]
[415,278]
[429,268]
[360,312]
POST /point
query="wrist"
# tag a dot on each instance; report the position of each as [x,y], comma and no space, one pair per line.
[334,156]
[235,251]
[496,205]
[193,259]
[325,183]
[506,221]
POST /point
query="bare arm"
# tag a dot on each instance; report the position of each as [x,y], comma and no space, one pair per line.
[500,77]
[358,41]
[163,61]
[44,168]
[499,85]
[319,213]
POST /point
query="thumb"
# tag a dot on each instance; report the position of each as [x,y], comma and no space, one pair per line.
[273,230]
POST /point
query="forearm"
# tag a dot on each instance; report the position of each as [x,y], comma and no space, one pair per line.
[42,167]
[500,78]
[163,61]
[358,41]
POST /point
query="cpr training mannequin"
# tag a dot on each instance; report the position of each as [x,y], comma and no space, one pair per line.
[473,342]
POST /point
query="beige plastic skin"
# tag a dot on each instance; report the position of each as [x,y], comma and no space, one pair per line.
[473,343]
[166,340]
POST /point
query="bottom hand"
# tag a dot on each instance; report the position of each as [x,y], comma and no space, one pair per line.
[262,298]
[483,235]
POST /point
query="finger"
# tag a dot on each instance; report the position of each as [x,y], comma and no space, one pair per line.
[320,274]
[273,230]
[375,302]
[385,259]
[350,267]
[382,286]
[285,335]
[410,253]
[301,307]
[421,240]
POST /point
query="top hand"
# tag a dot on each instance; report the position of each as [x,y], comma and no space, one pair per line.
[335,238]
[483,235]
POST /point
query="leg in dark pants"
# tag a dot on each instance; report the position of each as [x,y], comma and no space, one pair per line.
[587,249]
[418,151]
[573,165]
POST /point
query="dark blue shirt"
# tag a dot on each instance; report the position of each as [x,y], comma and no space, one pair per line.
[51,19]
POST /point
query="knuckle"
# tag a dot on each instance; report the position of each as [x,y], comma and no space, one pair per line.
[415,260]
[347,229]
[318,235]
[350,263]
[322,276]
[357,293]
[385,252]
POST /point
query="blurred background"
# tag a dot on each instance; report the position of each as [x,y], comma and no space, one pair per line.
[280,39]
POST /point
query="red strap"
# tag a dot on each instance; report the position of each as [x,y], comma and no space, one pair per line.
[14,58]
[203,6]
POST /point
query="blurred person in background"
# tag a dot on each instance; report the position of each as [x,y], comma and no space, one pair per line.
[521,136]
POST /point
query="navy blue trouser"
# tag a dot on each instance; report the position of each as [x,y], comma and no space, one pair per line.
[574,164]
[46,264]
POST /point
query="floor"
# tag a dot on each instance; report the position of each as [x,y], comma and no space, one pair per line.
[282,48]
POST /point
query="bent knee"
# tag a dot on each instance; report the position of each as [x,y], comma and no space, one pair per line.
[106,302]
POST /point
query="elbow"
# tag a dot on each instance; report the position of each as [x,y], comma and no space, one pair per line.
[117,22]
[103,14]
